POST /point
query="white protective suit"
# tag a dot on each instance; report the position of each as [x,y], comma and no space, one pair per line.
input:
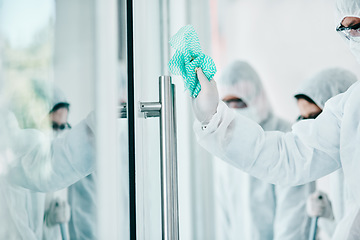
[37,161]
[53,231]
[320,88]
[83,201]
[31,160]
[312,150]
[349,8]
[249,208]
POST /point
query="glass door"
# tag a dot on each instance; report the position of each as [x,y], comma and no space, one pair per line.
[58,57]
[152,23]
[109,59]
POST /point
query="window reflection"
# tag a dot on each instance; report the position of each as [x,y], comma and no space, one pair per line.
[41,152]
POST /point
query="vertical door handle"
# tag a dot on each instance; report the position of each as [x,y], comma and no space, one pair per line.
[165,108]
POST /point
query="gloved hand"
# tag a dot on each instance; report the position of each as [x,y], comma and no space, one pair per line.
[319,205]
[206,103]
[58,212]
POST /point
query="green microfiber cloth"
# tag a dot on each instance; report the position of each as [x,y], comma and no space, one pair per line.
[187,57]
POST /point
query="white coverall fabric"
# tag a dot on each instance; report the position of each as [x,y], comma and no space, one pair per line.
[312,150]
[320,88]
[31,163]
[246,207]
[347,8]
[83,201]
[249,208]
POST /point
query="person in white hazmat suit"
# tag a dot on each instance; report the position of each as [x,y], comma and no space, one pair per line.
[313,149]
[311,98]
[31,157]
[57,209]
[246,207]
[26,208]
[82,195]
[83,201]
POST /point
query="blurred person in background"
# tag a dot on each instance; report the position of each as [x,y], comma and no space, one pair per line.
[83,201]
[26,207]
[35,159]
[311,98]
[57,209]
[313,149]
[249,208]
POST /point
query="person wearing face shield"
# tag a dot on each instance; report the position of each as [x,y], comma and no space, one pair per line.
[311,98]
[314,148]
[247,207]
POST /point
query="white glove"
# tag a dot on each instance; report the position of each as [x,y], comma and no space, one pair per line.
[58,212]
[206,103]
[319,205]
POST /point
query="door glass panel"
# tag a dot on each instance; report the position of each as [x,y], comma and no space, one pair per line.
[51,81]
[147,69]
[122,140]
[152,53]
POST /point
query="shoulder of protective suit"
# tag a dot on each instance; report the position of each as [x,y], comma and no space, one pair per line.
[344,100]
[274,123]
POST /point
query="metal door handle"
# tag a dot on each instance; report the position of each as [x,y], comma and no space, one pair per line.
[122,110]
[165,108]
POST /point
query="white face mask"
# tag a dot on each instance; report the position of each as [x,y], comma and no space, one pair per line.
[355,49]
[250,113]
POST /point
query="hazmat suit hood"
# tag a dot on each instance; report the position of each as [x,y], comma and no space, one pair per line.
[326,84]
[31,101]
[57,97]
[347,8]
[240,79]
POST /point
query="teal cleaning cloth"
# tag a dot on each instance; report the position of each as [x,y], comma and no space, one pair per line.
[187,57]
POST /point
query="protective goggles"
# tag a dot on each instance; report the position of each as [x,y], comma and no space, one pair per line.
[349,33]
[311,116]
[235,103]
[60,127]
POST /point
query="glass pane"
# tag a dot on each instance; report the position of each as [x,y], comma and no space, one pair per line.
[123,153]
[53,182]
[147,69]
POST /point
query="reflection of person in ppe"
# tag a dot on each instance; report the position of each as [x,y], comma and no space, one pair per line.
[311,98]
[27,207]
[83,201]
[313,149]
[57,210]
[58,117]
[37,161]
[250,208]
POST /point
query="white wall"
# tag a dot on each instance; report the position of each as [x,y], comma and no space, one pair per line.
[286,42]
[74,61]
